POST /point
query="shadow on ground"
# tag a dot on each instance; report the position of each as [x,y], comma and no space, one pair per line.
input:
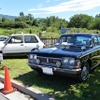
[64,88]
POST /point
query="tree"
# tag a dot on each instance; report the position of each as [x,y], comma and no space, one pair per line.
[4,19]
[30,17]
[17,19]
[80,21]
[21,14]
[56,22]
[21,25]
[97,16]
[96,24]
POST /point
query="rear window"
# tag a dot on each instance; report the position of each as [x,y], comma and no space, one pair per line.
[30,39]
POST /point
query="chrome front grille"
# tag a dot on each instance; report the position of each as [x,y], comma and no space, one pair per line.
[48,61]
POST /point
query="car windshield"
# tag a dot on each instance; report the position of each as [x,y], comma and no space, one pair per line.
[73,41]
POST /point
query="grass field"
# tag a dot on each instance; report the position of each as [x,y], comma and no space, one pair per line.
[62,88]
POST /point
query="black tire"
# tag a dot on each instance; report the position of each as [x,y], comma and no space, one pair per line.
[84,73]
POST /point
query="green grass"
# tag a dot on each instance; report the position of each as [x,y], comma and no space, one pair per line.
[62,88]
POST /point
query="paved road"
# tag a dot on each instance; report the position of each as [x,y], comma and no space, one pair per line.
[14,95]
[2,97]
[32,93]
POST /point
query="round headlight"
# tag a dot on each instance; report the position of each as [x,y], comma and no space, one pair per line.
[65,60]
[35,56]
[72,61]
[38,61]
[31,56]
[58,63]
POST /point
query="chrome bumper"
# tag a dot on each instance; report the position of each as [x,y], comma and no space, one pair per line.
[66,71]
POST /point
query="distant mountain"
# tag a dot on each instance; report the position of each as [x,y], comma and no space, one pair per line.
[8,17]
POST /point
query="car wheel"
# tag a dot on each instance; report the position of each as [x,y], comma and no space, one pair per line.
[84,73]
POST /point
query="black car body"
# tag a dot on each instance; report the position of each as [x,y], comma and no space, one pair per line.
[72,54]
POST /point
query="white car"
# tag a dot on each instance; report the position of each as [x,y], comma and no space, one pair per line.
[21,44]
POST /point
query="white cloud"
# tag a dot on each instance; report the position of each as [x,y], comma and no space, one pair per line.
[72,5]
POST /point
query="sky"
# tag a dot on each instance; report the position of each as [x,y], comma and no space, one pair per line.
[44,8]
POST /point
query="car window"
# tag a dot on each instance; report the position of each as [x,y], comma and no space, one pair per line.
[74,40]
[95,40]
[61,39]
[82,40]
[99,39]
[30,39]
[3,38]
[16,39]
[65,39]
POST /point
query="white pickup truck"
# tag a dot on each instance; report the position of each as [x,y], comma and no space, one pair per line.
[20,44]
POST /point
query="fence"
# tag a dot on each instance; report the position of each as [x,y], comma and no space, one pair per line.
[49,41]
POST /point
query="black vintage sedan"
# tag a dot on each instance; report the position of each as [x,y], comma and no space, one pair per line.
[72,54]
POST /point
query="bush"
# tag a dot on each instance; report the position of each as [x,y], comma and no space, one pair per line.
[21,25]
[52,29]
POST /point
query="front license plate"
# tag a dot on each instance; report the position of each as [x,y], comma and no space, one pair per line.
[48,71]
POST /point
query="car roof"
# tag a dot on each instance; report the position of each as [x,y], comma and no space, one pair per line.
[23,34]
[86,34]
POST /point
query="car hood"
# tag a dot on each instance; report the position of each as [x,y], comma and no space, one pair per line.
[56,52]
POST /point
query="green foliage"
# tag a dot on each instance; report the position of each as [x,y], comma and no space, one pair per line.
[52,29]
[52,24]
[8,24]
[97,16]
[96,24]
[21,14]
[21,25]
[4,19]
[56,22]
[80,21]
[53,21]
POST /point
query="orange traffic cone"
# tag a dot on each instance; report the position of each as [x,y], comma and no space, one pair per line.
[7,84]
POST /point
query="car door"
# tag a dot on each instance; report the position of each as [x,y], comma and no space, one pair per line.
[95,52]
[30,42]
[14,45]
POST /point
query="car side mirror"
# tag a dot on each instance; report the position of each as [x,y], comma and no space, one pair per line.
[91,46]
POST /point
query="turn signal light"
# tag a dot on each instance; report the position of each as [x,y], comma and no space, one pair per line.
[44,46]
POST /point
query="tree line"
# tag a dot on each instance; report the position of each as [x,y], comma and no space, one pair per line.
[52,23]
